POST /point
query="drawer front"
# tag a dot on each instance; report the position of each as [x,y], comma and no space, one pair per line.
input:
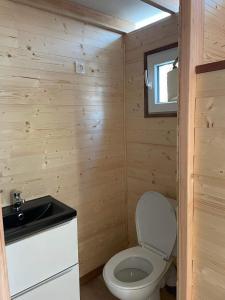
[41,256]
[64,286]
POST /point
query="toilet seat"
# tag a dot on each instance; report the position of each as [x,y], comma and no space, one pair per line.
[158,268]
[156,224]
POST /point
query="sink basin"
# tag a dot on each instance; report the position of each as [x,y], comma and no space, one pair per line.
[38,214]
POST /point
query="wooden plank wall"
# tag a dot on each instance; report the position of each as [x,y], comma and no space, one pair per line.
[63,133]
[209,188]
[152,142]
[191,40]
[209,180]
[214,39]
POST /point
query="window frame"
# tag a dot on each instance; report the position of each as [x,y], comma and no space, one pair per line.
[148,114]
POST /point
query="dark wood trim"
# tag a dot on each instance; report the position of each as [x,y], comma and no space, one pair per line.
[210,67]
[161,114]
[91,275]
[146,112]
[163,48]
[157,5]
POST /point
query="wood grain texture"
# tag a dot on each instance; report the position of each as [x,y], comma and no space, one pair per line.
[82,13]
[205,205]
[152,142]
[4,286]
[214,37]
[209,196]
[191,53]
[63,133]
[209,188]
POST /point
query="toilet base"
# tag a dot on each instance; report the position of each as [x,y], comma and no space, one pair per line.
[155,295]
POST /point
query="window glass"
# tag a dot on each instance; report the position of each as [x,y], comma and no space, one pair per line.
[161,82]
[161,91]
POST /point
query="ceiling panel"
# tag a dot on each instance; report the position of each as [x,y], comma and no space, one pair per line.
[134,11]
[172,5]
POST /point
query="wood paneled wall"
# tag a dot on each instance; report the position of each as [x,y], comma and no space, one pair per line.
[209,180]
[209,188]
[151,142]
[62,133]
[214,39]
[191,40]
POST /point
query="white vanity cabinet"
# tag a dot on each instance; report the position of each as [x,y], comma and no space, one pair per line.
[44,266]
[64,286]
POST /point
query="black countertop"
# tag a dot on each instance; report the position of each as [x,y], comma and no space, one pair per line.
[39,214]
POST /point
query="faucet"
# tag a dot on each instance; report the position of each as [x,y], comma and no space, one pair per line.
[17,200]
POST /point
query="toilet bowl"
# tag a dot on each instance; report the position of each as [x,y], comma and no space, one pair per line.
[136,273]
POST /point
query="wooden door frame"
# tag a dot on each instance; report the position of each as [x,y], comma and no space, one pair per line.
[191,39]
[4,286]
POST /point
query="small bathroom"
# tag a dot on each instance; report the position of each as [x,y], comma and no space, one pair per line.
[89,150]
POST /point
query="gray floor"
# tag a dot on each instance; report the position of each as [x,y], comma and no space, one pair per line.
[96,290]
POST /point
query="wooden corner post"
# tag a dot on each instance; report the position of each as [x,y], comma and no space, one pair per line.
[191,38]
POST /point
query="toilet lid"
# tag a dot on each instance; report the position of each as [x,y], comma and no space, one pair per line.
[156,223]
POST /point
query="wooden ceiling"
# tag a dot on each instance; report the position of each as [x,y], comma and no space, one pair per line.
[170,6]
[79,12]
[73,10]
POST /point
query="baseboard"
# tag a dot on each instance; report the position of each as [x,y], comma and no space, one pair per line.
[91,275]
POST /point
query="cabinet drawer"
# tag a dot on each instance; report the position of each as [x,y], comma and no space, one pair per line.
[41,256]
[63,286]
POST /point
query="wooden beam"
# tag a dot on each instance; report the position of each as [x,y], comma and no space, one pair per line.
[191,54]
[4,287]
[81,13]
[170,7]
[211,67]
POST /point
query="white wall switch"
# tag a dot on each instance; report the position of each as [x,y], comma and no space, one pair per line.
[80,67]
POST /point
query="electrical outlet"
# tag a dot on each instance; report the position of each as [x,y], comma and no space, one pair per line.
[80,67]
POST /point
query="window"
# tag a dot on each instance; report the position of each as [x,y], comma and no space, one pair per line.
[161,92]
[161,82]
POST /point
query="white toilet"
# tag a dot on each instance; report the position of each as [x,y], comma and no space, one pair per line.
[137,273]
